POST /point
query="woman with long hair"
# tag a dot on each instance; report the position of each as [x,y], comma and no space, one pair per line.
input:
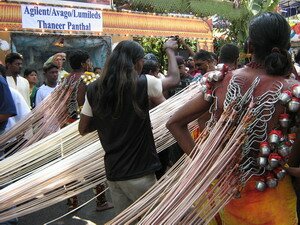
[265,199]
[117,107]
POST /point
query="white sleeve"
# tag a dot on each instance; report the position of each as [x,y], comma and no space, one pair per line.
[38,97]
[86,108]
[21,107]
[27,100]
[154,86]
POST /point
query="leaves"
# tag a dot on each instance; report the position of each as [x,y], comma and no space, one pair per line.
[238,17]
[155,45]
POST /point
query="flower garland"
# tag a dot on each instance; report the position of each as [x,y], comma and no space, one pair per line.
[89,77]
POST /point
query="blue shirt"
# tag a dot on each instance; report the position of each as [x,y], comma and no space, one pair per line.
[7,105]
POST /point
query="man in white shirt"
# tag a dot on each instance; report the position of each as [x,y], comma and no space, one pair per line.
[51,75]
[13,62]
[21,106]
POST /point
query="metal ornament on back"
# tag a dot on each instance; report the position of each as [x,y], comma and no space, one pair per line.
[263,153]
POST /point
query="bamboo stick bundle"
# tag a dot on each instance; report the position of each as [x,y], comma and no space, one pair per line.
[45,119]
[58,181]
[197,177]
[43,152]
[213,157]
[175,214]
[30,165]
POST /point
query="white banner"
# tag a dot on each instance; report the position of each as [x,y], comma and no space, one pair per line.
[61,18]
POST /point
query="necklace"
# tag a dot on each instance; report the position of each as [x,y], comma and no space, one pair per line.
[255,65]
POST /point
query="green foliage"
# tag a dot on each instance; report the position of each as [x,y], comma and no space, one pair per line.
[224,9]
[155,45]
[161,6]
[238,17]
[238,30]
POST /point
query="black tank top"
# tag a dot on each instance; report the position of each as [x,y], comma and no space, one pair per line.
[128,140]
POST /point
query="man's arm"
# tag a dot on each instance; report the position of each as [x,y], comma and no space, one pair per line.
[157,100]
[86,125]
[172,79]
[178,123]
[187,47]
[4,117]
[86,122]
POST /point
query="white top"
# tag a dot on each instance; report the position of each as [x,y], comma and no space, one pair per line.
[297,67]
[42,93]
[22,86]
[154,89]
[21,107]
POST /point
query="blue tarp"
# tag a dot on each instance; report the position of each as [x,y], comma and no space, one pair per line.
[290,8]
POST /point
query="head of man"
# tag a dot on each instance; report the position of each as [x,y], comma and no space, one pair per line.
[151,67]
[80,61]
[150,56]
[51,74]
[204,61]
[13,62]
[59,59]
[229,55]
[190,63]
[97,70]
[181,65]
[269,35]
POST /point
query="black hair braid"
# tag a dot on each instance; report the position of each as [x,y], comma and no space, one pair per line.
[278,62]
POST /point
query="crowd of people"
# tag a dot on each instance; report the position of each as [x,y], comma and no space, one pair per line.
[131,83]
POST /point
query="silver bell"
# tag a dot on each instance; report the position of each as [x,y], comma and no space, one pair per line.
[285,97]
[284,120]
[203,80]
[296,90]
[265,149]
[217,76]
[210,76]
[219,67]
[208,96]
[284,150]
[280,174]
[274,139]
[272,183]
[260,186]
[294,105]
[262,161]
[273,162]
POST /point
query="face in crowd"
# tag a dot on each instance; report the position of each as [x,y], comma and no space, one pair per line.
[97,71]
[87,65]
[15,67]
[32,78]
[204,65]
[51,76]
[59,61]
[190,63]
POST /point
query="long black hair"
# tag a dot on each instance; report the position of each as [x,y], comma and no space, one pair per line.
[269,35]
[118,79]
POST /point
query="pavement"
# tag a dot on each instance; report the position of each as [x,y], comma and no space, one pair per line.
[84,216]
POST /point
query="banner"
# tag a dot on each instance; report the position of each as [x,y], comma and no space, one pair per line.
[61,18]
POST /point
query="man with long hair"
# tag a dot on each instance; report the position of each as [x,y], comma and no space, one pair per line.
[117,107]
